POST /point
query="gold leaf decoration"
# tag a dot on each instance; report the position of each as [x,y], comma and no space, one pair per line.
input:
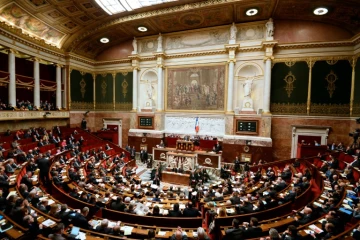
[124,85]
[288,108]
[289,79]
[103,88]
[330,109]
[82,87]
[331,79]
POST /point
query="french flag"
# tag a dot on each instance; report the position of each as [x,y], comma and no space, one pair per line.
[197,127]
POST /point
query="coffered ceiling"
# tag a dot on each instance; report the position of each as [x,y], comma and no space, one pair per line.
[77,25]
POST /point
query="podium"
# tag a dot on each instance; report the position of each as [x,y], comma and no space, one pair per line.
[180,160]
[184,145]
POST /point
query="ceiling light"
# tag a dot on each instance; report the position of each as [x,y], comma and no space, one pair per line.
[104,40]
[251,12]
[142,29]
[321,11]
[117,6]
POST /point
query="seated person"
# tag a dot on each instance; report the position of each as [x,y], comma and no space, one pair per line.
[179,235]
[104,227]
[235,233]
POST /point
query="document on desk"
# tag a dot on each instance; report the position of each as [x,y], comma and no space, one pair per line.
[161,233]
[127,230]
[81,236]
[48,223]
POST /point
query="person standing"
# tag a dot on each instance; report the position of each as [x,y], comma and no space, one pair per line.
[44,166]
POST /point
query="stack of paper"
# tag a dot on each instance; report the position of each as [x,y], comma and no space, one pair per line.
[48,223]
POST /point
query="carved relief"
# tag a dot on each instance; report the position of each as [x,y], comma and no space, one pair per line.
[251,33]
[148,45]
[197,39]
[185,125]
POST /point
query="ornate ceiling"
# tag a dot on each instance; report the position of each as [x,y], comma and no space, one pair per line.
[77,25]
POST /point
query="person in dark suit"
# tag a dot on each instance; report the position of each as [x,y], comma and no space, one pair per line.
[189,211]
[26,179]
[118,205]
[235,199]
[305,217]
[237,164]
[103,227]
[132,152]
[235,233]
[175,212]
[252,229]
[58,231]
[218,147]
[79,219]
[44,166]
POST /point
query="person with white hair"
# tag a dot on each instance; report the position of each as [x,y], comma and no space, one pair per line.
[201,235]
[103,227]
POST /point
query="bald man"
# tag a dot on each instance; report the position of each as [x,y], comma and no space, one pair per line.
[179,235]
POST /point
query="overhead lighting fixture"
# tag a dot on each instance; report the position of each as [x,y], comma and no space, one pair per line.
[104,40]
[117,6]
[142,29]
[321,11]
[251,12]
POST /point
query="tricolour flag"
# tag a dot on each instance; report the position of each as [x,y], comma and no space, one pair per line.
[197,127]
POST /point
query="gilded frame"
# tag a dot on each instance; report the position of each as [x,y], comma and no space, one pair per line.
[193,66]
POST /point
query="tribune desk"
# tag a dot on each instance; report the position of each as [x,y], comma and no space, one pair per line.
[176,178]
[202,158]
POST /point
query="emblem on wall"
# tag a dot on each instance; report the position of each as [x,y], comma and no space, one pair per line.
[82,85]
[124,86]
[208,161]
[103,86]
[331,79]
[289,79]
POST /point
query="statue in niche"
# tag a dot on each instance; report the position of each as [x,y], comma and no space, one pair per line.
[233,31]
[159,39]
[247,106]
[247,87]
[134,44]
[269,29]
[149,90]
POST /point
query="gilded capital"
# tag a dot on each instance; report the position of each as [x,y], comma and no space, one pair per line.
[136,68]
[232,47]
[233,60]
[268,58]
[310,62]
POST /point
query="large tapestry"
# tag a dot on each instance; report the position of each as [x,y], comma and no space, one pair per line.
[196,88]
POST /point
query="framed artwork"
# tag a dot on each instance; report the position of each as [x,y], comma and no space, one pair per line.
[196,88]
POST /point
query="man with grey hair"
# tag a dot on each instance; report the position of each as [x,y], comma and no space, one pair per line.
[274,234]
[201,235]
[103,227]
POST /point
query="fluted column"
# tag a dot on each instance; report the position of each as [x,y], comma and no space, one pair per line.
[58,86]
[160,82]
[268,47]
[231,48]
[63,94]
[353,65]
[310,63]
[267,86]
[135,88]
[230,105]
[12,78]
[36,83]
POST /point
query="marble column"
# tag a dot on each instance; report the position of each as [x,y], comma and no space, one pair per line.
[12,79]
[58,86]
[308,101]
[230,107]
[160,91]
[267,86]
[36,83]
[352,93]
[63,81]
[135,89]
